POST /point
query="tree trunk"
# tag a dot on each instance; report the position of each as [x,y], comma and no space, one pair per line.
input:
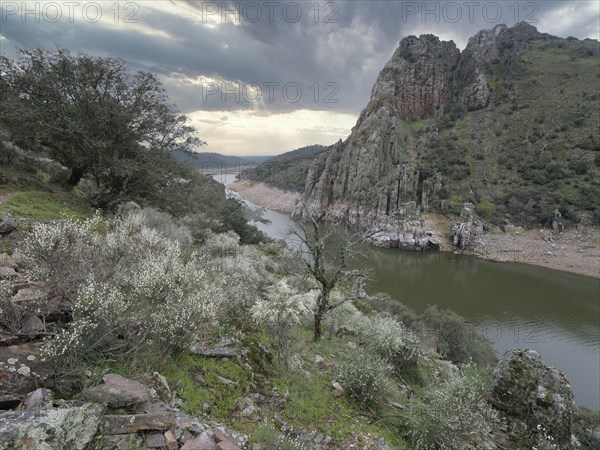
[75,177]
[318,332]
[322,304]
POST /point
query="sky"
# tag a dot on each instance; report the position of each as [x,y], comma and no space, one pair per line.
[265,77]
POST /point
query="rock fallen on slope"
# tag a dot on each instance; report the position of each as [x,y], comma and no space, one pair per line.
[118,392]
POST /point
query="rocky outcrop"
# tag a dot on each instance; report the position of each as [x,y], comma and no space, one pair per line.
[535,396]
[375,180]
[71,427]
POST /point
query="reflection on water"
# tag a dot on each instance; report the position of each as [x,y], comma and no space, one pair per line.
[514,305]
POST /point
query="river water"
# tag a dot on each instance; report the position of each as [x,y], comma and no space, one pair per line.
[514,305]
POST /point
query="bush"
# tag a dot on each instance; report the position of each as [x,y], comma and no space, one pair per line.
[579,166]
[485,209]
[362,374]
[387,338]
[455,339]
[131,287]
[445,416]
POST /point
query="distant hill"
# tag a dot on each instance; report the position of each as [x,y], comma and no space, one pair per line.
[288,170]
[217,161]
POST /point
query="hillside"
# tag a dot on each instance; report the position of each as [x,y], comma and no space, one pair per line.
[510,125]
[286,171]
[216,161]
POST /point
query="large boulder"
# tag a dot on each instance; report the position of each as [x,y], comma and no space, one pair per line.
[536,395]
[50,429]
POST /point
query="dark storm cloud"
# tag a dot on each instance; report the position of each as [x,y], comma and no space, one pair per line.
[348,52]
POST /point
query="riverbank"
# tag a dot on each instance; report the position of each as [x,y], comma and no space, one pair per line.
[267,196]
[573,250]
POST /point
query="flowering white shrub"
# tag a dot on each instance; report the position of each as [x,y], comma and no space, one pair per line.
[385,336]
[134,286]
[224,244]
[282,308]
[446,415]
[363,375]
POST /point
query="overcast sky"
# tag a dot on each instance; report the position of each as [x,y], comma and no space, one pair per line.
[264,77]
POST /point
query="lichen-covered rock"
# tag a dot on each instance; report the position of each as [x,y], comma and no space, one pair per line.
[22,368]
[535,394]
[50,429]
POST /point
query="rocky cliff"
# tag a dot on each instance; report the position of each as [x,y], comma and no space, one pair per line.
[431,125]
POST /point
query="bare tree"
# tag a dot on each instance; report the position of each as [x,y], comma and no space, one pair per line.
[326,261]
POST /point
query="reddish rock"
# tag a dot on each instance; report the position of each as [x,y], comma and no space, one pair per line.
[202,442]
[22,368]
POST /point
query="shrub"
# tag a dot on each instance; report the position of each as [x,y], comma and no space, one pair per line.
[131,287]
[579,166]
[279,311]
[445,416]
[455,339]
[388,338]
[485,209]
[362,374]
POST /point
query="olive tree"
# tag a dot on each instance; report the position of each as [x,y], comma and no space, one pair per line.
[89,113]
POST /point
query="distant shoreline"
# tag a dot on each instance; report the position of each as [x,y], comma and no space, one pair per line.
[573,251]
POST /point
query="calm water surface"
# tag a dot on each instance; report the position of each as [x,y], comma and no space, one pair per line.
[514,305]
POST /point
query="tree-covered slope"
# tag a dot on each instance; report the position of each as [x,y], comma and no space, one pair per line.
[288,170]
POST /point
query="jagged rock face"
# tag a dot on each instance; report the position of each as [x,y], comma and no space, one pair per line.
[373,179]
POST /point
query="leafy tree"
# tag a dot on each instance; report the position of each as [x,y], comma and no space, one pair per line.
[90,113]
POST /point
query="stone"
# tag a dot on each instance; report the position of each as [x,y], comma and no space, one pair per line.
[22,369]
[319,359]
[226,380]
[202,442]
[534,393]
[338,390]
[28,294]
[32,325]
[227,347]
[52,428]
[7,225]
[39,399]
[8,261]
[118,392]
[170,440]
[8,272]
[227,445]
[155,440]
[133,423]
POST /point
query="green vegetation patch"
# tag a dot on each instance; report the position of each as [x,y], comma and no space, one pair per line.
[39,205]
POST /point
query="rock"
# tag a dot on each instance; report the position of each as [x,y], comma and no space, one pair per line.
[155,440]
[133,423]
[22,369]
[118,392]
[225,380]
[7,225]
[28,294]
[8,272]
[338,390]
[226,445]
[49,429]
[319,359]
[8,261]
[202,442]
[227,347]
[536,394]
[170,440]
[39,399]
[32,325]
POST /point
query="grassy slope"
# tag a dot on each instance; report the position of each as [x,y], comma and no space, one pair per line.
[32,196]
